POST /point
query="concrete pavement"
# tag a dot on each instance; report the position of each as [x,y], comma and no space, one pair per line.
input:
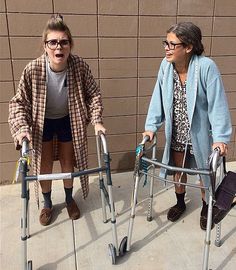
[83,244]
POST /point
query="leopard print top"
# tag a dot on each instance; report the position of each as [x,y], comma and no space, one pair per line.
[180,127]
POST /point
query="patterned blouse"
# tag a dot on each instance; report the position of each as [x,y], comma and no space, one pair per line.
[180,127]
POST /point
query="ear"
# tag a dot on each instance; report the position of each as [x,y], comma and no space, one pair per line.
[189,48]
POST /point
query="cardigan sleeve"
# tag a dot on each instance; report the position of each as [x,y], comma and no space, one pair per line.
[218,110]
[155,116]
[20,115]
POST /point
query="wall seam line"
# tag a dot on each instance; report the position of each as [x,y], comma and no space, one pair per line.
[10,50]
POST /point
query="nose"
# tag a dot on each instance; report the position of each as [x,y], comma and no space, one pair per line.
[59,46]
[166,48]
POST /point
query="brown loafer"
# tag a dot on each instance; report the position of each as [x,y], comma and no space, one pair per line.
[73,210]
[203,217]
[203,223]
[175,213]
[45,216]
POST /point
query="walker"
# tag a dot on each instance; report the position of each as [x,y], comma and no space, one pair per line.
[106,196]
[146,166]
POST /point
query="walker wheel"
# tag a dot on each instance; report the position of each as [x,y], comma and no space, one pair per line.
[112,253]
[123,246]
[30,265]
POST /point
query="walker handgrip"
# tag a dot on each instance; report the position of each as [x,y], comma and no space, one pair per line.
[102,137]
[145,139]
[214,159]
[100,132]
[19,146]
[25,146]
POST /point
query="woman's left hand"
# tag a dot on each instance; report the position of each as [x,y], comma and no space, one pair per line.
[223,147]
[99,127]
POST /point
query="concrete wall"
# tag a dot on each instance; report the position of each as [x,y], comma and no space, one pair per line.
[121,41]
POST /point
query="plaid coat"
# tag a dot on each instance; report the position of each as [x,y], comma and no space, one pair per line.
[27,109]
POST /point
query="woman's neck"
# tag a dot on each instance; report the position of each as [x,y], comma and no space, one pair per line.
[182,70]
[182,67]
[54,67]
[57,68]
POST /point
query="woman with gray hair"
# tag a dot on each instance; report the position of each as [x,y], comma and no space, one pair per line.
[189,98]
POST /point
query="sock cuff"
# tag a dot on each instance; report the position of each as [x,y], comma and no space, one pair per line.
[180,194]
[180,199]
[47,193]
[68,188]
[204,202]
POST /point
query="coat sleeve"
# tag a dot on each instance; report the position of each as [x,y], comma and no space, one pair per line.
[20,107]
[218,110]
[155,116]
[93,98]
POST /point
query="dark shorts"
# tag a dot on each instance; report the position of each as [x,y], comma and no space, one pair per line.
[60,127]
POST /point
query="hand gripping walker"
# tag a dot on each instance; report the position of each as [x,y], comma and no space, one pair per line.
[106,196]
[142,167]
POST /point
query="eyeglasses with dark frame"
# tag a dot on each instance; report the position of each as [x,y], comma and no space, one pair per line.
[171,45]
[53,43]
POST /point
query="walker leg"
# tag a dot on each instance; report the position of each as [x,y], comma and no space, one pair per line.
[23,235]
[218,235]
[208,234]
[104,213]
[101,182]
[149,214]
[27,212]
[24,197]
[132,214]
[113,221]
[218,226]
[112,205]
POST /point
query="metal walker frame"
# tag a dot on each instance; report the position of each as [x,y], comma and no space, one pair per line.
[106,196]
[125,244]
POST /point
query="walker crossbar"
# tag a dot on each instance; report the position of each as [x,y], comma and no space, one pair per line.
[177,169]
[59,176]
[214,162]
[106,195]
[172,182]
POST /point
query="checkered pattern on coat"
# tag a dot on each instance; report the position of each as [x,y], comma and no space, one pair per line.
[27,109]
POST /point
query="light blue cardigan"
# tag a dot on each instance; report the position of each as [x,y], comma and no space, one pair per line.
[207,108]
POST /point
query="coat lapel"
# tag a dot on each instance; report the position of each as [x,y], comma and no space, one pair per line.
[191,87]
[168,90]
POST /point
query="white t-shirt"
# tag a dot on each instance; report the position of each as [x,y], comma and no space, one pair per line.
[57,94]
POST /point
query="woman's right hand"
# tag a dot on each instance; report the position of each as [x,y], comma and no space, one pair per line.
[148,133]
[22,135]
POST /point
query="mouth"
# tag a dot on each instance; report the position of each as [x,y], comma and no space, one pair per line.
[59,55]
[169,54]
